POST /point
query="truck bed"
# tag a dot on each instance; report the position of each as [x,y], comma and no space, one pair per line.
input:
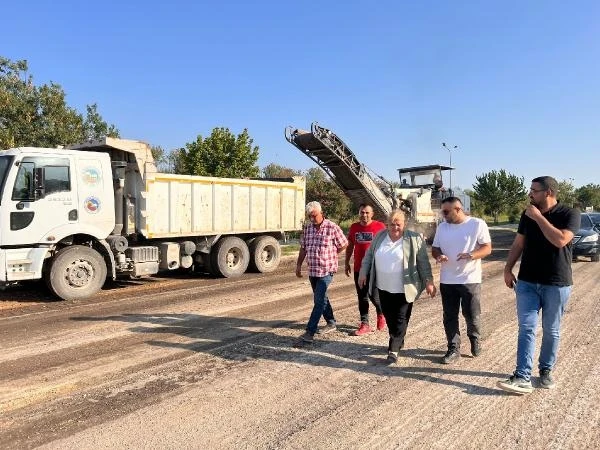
[183,205]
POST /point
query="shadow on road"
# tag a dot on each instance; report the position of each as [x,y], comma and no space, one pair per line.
[241,339]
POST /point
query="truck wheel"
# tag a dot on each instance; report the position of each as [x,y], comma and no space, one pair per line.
[76,272]
[230,257]
[265,254]
[596,257]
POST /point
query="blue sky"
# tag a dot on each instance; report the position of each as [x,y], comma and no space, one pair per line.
[514,84]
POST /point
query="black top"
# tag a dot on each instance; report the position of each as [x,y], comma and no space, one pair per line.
[542,262]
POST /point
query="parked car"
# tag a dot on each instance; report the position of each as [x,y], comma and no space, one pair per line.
[595,216]
[587,240]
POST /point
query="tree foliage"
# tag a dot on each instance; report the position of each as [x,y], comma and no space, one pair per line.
[499,192]
[39,116]
[160,158]
[94,127]
[222,154]
[566,193]
[588,196]
[167,162]
[333,200]
[273,170]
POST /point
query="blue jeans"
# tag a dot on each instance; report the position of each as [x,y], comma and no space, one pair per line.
[322,307]
[552,300]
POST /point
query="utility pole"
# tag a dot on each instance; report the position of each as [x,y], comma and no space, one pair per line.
[450,152]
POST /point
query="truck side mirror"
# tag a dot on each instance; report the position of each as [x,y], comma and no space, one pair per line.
[39,189]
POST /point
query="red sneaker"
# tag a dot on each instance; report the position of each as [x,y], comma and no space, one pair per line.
[381,322]
[364,328]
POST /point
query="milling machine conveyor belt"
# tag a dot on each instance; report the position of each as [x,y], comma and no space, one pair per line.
[337,160]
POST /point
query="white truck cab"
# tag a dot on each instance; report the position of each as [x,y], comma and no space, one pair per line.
[47,196]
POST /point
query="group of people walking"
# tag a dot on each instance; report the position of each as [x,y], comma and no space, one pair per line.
[392,269]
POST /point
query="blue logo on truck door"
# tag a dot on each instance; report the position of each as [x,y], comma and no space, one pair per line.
[91,204]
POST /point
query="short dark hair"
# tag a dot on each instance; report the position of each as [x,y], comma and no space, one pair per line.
[452,200]
[362,205]
[548,183]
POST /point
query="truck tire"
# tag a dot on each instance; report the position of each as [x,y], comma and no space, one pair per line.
[76,272]
[229,257]
[596,257]
[265,254]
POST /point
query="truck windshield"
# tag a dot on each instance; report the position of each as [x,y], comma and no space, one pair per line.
[5,162]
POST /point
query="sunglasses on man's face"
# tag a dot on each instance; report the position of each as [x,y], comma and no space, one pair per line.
[448,211]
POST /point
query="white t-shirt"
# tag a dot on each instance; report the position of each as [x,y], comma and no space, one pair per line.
[455,238]
[389,266]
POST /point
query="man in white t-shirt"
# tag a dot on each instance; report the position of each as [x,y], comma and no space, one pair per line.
[459,244]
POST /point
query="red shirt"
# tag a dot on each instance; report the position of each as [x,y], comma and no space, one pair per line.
[321,246]
[361,236]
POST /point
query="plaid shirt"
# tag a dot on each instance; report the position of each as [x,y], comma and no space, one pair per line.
[321,246]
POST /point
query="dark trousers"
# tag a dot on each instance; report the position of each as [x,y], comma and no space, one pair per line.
[397,313]
[363,300]
[453,297]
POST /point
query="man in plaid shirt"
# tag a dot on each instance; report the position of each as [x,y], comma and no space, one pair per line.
[321,241]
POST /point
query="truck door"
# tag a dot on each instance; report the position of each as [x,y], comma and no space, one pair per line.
[42,202]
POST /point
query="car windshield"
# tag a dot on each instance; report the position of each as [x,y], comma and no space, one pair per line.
[586,222]
[4,165]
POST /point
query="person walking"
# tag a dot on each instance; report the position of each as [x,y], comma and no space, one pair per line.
[459,244]
[321,242]
[544,281]
[360,236]
[397,266]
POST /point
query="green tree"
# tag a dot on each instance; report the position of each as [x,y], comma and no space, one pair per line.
[499,192]
[588,196]
[160,158]
[222,154]
[333,200]
[566,193]
[39,116]
[167,162]
[176,160]
[94,127]
[273,170]
[477,208]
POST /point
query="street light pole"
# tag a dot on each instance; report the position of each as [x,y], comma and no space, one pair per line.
[450,152]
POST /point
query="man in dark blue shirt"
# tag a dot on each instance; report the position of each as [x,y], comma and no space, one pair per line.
[544,282]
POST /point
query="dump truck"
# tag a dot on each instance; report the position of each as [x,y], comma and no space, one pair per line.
[419,194]
[78,216]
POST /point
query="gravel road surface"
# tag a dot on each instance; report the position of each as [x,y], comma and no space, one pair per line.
[195,362]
